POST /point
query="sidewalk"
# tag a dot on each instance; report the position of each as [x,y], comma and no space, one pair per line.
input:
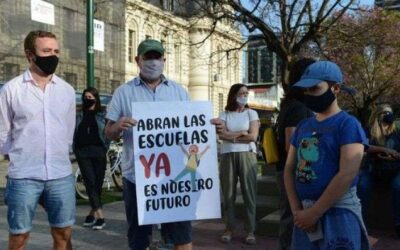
[205,233]
[113,236]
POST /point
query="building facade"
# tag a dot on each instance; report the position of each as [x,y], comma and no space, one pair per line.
[263,75]
[194,58]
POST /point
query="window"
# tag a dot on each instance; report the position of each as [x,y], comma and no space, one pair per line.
[177,58]
[131,45]
[167,4]
[229,71]
[97,83]
[70,18]
[236,67]
[220,102]
[228,65]
[10,70]
[266,65]
[114,84]
[70,27]
[164,43]
[219,62]
[71,78]
[252,65]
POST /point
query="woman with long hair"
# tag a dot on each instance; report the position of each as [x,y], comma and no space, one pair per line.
[382,124]
[238,160]
[383,160]
[90,148]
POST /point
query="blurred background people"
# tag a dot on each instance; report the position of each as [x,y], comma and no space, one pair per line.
[383,161]
[292,111]
[239,160]
[90,148]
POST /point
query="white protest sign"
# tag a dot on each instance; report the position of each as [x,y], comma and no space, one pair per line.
[176,167]
[98,35]
[42,11]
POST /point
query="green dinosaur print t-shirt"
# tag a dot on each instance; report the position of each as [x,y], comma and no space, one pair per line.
[317,146]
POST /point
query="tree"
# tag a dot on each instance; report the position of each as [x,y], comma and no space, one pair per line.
[286,26]
[366,45]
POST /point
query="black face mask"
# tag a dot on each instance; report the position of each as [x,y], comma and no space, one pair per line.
[47,64]
[388,118]
[87,103]
[319,103]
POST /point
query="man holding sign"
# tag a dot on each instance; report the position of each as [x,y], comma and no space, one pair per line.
[150,86]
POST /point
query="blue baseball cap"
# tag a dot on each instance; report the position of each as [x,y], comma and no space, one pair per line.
[322,71]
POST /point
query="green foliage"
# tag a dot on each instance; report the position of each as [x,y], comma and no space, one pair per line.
[366,44]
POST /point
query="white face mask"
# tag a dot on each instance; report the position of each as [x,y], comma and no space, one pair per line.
[152,69]
[242,100]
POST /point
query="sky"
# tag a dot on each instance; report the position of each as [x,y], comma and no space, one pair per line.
[367,2]
[363,2]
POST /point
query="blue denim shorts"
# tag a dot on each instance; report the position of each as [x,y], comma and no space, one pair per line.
[22,196]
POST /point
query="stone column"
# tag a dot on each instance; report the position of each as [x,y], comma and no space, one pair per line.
[199,69]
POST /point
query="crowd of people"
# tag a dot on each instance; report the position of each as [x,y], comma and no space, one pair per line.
[321,149]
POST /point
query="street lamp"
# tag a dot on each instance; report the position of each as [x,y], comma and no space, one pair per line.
[89,44]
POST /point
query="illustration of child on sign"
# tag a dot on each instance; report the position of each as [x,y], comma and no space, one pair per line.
[192,164]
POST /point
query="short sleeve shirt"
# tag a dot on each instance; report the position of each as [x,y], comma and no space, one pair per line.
[121,106]
[318,146]
[291,114]
[237,121]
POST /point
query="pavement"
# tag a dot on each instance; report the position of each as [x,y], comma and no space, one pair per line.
[113,236]
[205,233]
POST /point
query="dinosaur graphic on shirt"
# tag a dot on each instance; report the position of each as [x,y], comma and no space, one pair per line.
[307,153]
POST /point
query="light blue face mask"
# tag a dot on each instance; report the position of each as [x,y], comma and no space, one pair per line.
[242,100]
[152,69]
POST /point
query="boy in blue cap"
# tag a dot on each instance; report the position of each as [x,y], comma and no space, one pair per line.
[322,166]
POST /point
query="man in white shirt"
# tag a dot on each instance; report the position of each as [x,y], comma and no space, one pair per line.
[37,120]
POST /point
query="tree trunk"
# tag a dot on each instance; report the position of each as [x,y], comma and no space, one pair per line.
[285,73]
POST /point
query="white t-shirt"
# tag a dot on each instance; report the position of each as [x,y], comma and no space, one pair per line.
[237,121]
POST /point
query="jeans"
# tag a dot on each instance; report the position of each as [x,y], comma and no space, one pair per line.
[176,233]
[22,196]
[365,185]
[138,236]
[341,230]
[92,162]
